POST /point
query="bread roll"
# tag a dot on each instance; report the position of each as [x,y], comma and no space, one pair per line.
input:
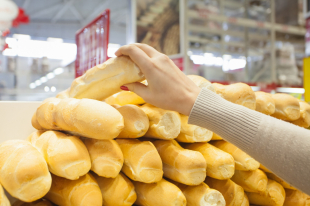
[63,95]
[105,79]
[201,195]
[287,107]
[164,124]
[273,196]
[24,172]
[106,157]
[243,161]
[245,201]
[86,117]
[265,103]
[125,97]
[304,119]
[238,93]
[36,203]
[82,192]
[4,201]
[181,165]
[142,161]
[296,198]
[220,164]
[201,82]
[117,191]
[233,193]
[136,122]
[265,169]
[35,122]
[280,181]
[251,181]
[66,155]
[192,133]
[216,137]
[162,193]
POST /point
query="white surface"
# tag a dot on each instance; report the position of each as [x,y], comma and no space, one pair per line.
[15,119]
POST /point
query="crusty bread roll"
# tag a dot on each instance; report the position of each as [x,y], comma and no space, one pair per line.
[216,137]
[66,155]
[118,191]
[191,133]
[243,161]
[265,103]
[201,82]
[4,201]
[201,195]
[233,193]
[251,181]
[280,181]
[105,79]
[36,203]
[304,119]
[124,97]
[220,164]
[273,196]
[136,122]
[162,193]
[106,157]
[63,95]
[181,165]
[245,201]
[86,117]
[265,169]
[296,198]
[238,93]
[24,172]
[164,124]
[35,122]
[141,160]
[82,192]
[287,107]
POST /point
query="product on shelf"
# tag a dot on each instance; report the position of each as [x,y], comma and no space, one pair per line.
[243,161]
[245,201]
[141,160]
[296,198]
[63,95]
[201,82]
[106,157]
[162,193]
[164,124]
[304,119]
[220,164]
[265,103]
[66,155]
[287,107]
[24,172]
[181,165]
[124,97]
[117,191]
[280,181]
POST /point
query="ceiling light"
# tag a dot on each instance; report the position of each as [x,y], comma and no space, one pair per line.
[38,82]
[46,89]
[58,71]
[43,79]
[32,85]
[55,40]
[50,75]
[53,89]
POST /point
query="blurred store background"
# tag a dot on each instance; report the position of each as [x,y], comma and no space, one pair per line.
[260,42]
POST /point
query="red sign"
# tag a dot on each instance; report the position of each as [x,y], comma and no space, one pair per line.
[92,44]
[179,63]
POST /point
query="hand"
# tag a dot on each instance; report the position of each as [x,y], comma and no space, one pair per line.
[168,87]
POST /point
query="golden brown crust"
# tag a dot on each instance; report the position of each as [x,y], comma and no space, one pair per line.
[36,203]
[125,97]
[4,201]
[265,103]
[280,181]
[287,107]
[296,198]
[304,119]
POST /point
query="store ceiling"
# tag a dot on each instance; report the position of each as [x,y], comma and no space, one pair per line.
[62,18]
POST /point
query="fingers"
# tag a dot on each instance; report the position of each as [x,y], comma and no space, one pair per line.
[150,51]
[138,88]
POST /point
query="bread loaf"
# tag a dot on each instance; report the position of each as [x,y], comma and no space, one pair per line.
[265,103]
[243,161]
[265,169]
[216,137]
[141,160]
[35,122]
[63,95]
[280,181]
[4,201]
[201,195]
[125,97]
[233,193]
[251,181]
[36,203]
[82,192]
[238,93]
[106,157]
[66,155]
[136,122]
[220,164]
[86,117]
[287,107]
[304,119]
[191,133]
[162,193]
[245,201]
[296,198]
[164,124]
[105,79]
[181,165]
[273,196]
[24,172]
[201,82]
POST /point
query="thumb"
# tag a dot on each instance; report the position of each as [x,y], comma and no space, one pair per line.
[138,88]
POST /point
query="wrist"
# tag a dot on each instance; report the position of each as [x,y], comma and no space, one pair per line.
[190,101]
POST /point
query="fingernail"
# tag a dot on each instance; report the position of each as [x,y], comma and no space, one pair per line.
[124,88]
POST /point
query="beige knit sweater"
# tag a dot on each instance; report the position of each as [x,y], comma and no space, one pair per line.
[280,146]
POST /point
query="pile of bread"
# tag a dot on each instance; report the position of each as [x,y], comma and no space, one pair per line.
[122,152]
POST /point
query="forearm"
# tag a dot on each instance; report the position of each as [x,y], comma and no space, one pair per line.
[280,146]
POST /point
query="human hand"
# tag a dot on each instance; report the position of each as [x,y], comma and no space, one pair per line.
[168,87]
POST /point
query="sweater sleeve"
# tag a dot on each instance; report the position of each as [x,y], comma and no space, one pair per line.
[280,146]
